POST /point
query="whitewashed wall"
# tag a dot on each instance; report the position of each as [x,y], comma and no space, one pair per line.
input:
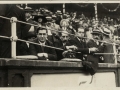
[106,79]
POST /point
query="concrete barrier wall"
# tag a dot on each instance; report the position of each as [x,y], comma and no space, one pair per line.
[103,79]
[37,73]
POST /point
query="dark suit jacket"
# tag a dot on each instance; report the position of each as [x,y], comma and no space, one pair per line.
[81,47]
[24,49]
[34,49]
[108,48]
[93,58]
[105,48]
[59,44]
[5,30]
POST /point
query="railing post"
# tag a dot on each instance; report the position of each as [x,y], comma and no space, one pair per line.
[63,8]
[115,52]
[96,15]
[13,37]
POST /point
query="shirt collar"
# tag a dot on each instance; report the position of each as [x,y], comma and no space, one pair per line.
[41,43]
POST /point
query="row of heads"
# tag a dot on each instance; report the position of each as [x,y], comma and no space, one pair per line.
[104,31]
[45,16]
[44,12]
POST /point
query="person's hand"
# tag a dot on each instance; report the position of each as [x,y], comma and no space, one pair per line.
[65,52]
[43,55]
[71,47]
[93,49]
[40,54]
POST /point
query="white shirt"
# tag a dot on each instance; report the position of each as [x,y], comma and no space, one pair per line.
[42,43]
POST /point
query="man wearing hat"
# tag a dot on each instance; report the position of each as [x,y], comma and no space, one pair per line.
[79,45]
[28,13]
[59,17]
[54,25]
[97,35]
[49,27]
[108,48]
[29,28]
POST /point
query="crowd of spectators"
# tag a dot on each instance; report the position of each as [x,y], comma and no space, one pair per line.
[55,22]
[64,35]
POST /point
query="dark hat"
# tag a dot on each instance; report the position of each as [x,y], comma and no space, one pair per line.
[96,31]
[36,17]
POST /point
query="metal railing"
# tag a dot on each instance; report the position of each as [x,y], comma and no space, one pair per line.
[14,38]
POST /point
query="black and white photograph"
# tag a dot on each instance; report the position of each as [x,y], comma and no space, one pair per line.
[59,44]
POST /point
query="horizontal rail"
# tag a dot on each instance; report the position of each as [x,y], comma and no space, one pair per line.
[39,44]
[14,38]
[5,37]
[55,47]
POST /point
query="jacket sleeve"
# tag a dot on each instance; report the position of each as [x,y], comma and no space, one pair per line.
[32,49]
[83,50]
[52,54]
[23,49]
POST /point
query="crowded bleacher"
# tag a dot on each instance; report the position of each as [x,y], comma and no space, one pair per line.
[69,35]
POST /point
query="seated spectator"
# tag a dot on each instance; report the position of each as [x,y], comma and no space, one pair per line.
[95,43]
[88,34]
[55,26]
[89,62]
[80,44]
[62,43]
[43,53]
[97,35]
[29,28]
[49,27]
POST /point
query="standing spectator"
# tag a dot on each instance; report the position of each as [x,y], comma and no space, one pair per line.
[80,43]
[55,26]
[29,28]
[62,43]
[10,10]
[95,43]
[108,48]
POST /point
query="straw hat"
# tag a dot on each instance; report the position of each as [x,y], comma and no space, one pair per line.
[106,31]
[96,31]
